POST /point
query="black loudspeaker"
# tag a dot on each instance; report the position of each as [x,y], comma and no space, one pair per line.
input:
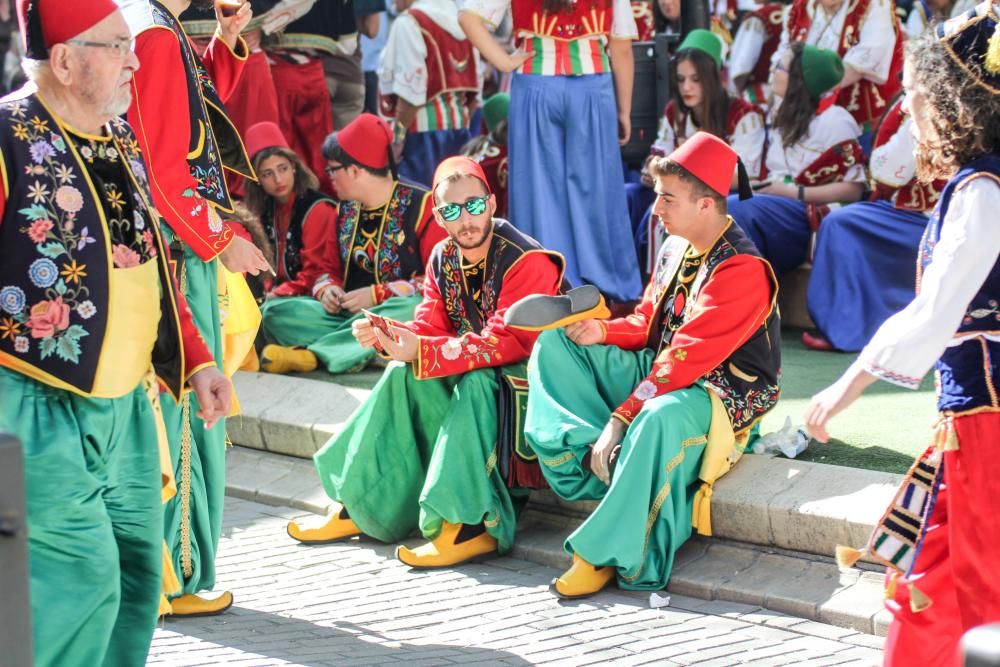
[15,607]
[650,93]
[980,646]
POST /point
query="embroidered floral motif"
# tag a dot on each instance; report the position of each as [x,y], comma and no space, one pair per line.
[12,299]
[43,272]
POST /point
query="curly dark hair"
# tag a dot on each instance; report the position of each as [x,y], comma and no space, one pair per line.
[257,200]
[798,107]
[965,114]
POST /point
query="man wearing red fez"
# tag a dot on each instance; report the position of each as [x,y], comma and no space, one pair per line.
[436,445]
[90,317]
[645,412]
[375,257]
[181,123]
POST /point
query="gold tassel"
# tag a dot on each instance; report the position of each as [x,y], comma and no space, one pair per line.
[701,519]
[165,607]
[847,557]
[992,60]
[918,600]
[890,588]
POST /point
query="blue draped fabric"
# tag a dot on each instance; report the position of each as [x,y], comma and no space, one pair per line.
[566,186]
[640,202]
[864,270]
[424,150]
[778,227]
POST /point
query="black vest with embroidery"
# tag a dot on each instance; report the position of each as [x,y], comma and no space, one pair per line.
[54,277]
[291,260]
[747,381]
[397,255]
[969,371]
[215,141]
[508,246]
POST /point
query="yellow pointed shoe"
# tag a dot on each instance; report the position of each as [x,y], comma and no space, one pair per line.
[195,606]
[337,527]
[444,552]
[582,580]
[279,359]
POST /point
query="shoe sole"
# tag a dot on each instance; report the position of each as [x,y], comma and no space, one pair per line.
[317,542]
[481,558]
[600,312]
[555,591]
[204,614]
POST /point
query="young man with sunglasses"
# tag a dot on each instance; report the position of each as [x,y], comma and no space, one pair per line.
[427,448]
[384,237]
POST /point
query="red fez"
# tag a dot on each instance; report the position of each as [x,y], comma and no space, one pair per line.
[366,139]
[709,159]
[263,135]
[460,165]
[44,23]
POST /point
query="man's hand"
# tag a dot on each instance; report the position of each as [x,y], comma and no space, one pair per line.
[357,299]
[405,349]
[331,298]
[242,256]
[600,451]
[586,332]
[363,332]
[214,392]
[230,27]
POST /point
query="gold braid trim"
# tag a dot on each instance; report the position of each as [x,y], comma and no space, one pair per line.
[185,481]
[661,497]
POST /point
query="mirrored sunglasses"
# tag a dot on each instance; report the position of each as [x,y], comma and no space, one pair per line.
[474,205]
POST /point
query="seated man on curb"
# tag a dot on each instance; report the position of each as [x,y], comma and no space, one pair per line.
[423,449]
[635,411]
[383,237]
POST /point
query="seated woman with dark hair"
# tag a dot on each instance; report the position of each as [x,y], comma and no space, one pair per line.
[813,159]
[700,102]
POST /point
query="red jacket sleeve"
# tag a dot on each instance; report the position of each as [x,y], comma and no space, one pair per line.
[317,229]
[164,136]
[730,308]
[497,344]
[630,332]
[225,65]
[429,232]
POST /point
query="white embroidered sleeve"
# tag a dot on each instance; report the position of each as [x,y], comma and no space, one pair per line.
[872,55]
[666,140]
[403,69]
[748,142]
[908,344]
[892,163]
[623,21]
[747,45]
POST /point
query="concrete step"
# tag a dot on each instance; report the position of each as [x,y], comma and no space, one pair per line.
[768,501]
[777,580]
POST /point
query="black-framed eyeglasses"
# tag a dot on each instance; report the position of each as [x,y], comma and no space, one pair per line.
[474,205]
[330,171]
[121,47]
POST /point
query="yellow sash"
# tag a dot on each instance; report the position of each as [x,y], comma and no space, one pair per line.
[240,320]
[722,452]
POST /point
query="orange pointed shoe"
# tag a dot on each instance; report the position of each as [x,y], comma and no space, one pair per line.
[278,359]
[582,580]
[336,527]
[195,606]
[443,551]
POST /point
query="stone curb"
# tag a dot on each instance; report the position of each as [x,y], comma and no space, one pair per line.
[770,501]
[802,585]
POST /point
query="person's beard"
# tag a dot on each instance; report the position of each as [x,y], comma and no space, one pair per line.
[476,243]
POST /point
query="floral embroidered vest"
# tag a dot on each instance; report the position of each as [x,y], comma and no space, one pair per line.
[969,369]
[748,381]
[291,259]
[54,277]
[508,246]
[397,256]
[215,141]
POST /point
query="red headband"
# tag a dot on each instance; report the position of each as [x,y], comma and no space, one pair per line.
[460,165]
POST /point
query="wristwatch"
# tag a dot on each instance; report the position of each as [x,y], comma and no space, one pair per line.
[802,194]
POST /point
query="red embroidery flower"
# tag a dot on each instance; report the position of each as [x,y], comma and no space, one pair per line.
[124,257]
[39,229]
[48,317]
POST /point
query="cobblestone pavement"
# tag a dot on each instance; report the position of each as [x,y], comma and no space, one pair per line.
[354,604]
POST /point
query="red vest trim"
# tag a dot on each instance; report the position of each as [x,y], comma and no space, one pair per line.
[771,16]
[451,65]
[580,19]
[833,164]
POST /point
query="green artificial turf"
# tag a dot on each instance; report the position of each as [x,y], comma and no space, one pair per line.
[884,429]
